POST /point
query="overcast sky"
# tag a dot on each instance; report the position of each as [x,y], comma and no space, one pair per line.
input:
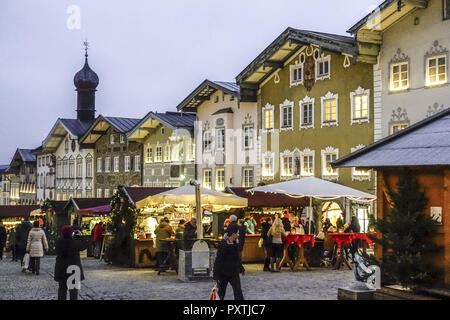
[148,54]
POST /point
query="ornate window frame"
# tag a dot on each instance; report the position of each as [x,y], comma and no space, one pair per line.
[251,136]
[399,59]
[436,51]
[307,152]
[322,59]
[329,96]
[326,175]
[265,175]
[268,107]
[399,116]
[209,170]
[284,154]
[287,104]
[306,100]
[297,66]
[362,176]
[359,92]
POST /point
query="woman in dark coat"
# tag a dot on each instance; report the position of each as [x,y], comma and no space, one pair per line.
[68,254]
[267,243]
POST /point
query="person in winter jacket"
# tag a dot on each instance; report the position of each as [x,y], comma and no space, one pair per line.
[162,231]
[12,243]
[22,231]
[241,241]
[226,266]
[2,239]
[68,249]
[313,226]
[251,224]
[277,232]
[286,222]
[36,244]
[267,241]
[190,233]
[98,239]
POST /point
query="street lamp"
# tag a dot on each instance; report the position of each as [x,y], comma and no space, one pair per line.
[198,208]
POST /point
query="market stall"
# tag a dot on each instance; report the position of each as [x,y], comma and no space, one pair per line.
[12,216]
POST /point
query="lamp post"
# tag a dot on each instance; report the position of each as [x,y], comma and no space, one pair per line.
[198,208]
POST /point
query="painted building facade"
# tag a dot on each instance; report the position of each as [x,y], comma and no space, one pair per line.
[117,161]
[168,148]
[21,177]
[315,104]
[45,175]
[410,42]
[226,136]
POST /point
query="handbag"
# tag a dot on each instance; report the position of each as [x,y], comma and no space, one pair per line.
[26,260]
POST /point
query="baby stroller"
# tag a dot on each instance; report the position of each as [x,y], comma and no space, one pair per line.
[361,270]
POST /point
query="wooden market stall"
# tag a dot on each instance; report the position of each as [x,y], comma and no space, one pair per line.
[14,215]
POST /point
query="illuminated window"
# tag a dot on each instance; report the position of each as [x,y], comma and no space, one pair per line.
[268,117]
[220,179]
[436,70]
[247,179]
[329,110]
[106,193]
[111,138]
[99,193]
[396,127]
[207,178]
[360,105]
[399,76]
[149,156]
[357,173]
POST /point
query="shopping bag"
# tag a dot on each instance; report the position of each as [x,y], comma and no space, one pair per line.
[26,260]
[213,293]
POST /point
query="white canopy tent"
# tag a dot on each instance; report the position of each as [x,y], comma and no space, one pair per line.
[313,187]
[186,196]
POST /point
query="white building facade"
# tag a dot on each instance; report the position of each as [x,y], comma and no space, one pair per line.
[411,41]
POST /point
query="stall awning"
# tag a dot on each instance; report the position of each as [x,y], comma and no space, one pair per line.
[16,211]
[186,196]
[100,210]
[313,187]
[268,200]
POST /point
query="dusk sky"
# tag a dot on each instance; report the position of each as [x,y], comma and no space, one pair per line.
[148,54]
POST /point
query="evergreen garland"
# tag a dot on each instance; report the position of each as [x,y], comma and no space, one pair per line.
[407,236]
[122,226]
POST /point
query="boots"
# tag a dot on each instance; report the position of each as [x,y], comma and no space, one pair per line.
[272,264]
[278,265]
[266,264]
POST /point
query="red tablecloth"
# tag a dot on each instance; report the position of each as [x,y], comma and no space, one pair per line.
[300,239]
[347,238]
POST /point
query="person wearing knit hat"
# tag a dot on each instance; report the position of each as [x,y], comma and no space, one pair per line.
[227,264]
[68,249]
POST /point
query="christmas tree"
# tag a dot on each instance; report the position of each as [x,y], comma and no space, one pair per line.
[406,236]
[123,223]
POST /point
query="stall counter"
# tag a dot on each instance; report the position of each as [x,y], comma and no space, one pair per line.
[144,253]
[251,252]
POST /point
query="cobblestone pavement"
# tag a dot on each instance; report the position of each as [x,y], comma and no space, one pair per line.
[104,282]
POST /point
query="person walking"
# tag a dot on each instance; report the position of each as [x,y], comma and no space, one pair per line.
[12,243]
[241,241]
[267,241]
[36,244]
[190,233]
[277,232]
[68,249]
[3,237]
[98,239]
[22,231]
[226,266]
[163,231]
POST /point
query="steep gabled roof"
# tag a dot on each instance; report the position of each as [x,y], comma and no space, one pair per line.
[26,155]
[204,91]
[102,124]
[285,46]
[425,143]
[74,127]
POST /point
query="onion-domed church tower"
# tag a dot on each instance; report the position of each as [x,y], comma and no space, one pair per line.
[86,82]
